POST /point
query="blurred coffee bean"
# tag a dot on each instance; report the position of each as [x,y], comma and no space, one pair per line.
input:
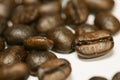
[76,12]
[17,34]
[107,21]
[97,78]
[50,8]
[2,44]
[56,69]
[31,2]
[12,55]
[18,2]
[116,76]
[62,38]
[4,73]
[24,14]
[19,71]
[99,5]
[93,44]
[49,22]
[36,58]
[38,43]
[85,28]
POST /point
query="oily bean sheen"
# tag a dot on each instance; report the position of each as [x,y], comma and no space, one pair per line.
[76,12]
[107,21]
[97,78]
[50,8]
[36,58]
[2,44]
[99,5]
[12,55]
[93,44]
[85,28]
[56,69]
[62,38]
[17,34]
[48,22]
[24,14]
[116,76]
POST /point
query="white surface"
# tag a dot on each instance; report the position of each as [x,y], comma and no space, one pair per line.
[105,66]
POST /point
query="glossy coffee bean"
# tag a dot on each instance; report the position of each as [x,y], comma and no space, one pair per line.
[36,58]
[76,12]
[99,5]
[50,8]
[12,55]
[18,71]
[56,69]
[85,28]
[31,2]
[49,22]
[17,34]
[97,78]
[93,44]
[62,38]
[38,43]
[2,44]
[116,76]
[107,21]
[24,14]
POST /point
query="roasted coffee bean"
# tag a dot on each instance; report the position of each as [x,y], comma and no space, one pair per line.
[76,12]
[17,34]
[99,5]
[2,44]
[12,55]
[24,14]
[62,38]
[97,78]
[49,22]
[56,69]
[107,21]
[36,58]
[31,2]
[50,8]
[116,76]
[38,43]
[18,71]
[93,44]
[85,28]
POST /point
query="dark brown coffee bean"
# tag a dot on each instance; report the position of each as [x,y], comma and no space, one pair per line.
[2,44]
[107,21]
[49,22]
[18,71]
[116,76]
[17,34]
[24,14]
[38,43]
[56,69]
[36,58]
[62,38]
[85,28]
[99,5]
[76,12]
[12,55]
[31,2]
[50,8]
[93,44]
[97,78]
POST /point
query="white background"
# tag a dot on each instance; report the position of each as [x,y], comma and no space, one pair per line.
[105,66]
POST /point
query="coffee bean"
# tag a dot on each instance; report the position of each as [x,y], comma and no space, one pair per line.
[116,76]
[38,43]
[62,38]
[36,58]
[97,78]
[99,5]
[49,22]
[107,21]
[17,34]
[12,55]
[2,44]
[93,44]
[76,12]
[56,69]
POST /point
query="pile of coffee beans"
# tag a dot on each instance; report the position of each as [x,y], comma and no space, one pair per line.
[32,30]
